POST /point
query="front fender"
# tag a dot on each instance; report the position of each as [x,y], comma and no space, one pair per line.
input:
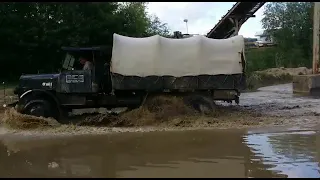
[25,94]
[37,93]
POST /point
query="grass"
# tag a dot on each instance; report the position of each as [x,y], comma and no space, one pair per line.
[257,80]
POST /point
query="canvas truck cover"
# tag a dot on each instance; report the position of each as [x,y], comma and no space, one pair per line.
[158,56]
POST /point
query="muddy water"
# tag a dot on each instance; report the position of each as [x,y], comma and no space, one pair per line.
[279,100]
[224,153]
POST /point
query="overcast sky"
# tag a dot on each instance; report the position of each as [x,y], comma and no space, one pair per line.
[202,16]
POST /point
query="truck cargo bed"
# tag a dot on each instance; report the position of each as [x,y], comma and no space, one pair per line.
[197,63]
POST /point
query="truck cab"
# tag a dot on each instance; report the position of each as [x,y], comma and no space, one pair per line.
[52,95]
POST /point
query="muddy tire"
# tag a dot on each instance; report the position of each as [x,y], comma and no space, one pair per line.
[200,103]
[237,101]
[39,107]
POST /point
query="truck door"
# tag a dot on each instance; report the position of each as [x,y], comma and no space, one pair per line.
[76,81]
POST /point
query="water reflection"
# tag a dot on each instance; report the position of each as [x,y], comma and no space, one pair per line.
[290,153]
[161,154]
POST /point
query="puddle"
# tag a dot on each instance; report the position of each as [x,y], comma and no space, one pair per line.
[201,153]
[293,154]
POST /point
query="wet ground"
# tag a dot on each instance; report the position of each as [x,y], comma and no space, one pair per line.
[279,100]
[201,153]
[268,106]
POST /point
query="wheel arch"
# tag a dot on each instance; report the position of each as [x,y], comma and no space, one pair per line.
[39,94]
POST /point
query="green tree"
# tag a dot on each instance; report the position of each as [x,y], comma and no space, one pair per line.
[290,23]
[155,26]
[32,33]
[134,16]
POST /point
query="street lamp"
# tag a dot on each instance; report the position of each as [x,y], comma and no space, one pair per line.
[186,21]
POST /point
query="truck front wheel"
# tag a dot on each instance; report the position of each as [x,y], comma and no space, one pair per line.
[39,107]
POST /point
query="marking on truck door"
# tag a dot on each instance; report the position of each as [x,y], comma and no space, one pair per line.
[74,78]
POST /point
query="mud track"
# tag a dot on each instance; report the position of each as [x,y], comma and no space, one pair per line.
[269,106]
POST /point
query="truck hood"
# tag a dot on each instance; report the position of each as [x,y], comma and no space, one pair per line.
[39,76]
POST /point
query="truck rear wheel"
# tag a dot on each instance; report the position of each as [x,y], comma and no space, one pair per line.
[200,103]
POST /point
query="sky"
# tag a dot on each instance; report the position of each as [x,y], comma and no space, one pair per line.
[202,16]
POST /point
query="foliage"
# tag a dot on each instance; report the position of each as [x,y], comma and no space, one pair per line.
[157,27]
[32,33]
[290,23]
[261,58]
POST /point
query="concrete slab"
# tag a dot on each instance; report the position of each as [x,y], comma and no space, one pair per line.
[306,84]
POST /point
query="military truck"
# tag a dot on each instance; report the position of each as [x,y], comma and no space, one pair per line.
[196,68]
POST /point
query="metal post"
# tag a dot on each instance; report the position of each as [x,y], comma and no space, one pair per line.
[4,94]
[187,27]
[186,21]
[316,28]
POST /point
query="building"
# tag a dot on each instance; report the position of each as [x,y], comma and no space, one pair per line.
[179,35]
[264,39]
[250,42]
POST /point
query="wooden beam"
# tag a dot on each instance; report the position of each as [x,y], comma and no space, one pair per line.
[316,28]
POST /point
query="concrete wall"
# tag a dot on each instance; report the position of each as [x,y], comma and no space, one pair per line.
[306,84]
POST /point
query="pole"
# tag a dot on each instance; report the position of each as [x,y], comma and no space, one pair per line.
[4,94]
[186,21]
[316,28]
[187,27]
